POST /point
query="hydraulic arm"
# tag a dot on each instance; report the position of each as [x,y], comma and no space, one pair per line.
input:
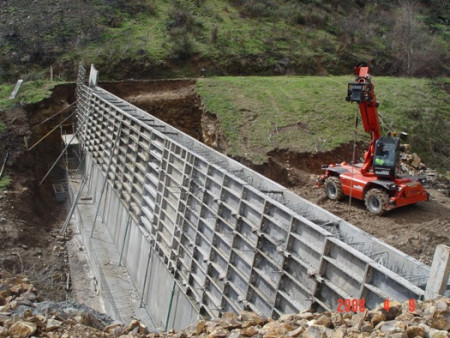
[362,91]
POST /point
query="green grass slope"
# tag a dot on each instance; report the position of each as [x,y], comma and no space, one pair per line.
[148,38]
[310,114]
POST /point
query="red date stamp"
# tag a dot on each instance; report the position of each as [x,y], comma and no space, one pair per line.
[411,305]
[353,305]
[359,305]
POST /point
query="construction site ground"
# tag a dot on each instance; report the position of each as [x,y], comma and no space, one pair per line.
[30,217]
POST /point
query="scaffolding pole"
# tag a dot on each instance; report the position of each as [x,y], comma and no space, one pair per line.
[51,131]
[74,205]
[62,153]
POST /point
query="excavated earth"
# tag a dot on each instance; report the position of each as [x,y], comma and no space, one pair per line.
[30,217]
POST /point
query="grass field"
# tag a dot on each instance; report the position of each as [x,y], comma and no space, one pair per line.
[310,114]
[30,92]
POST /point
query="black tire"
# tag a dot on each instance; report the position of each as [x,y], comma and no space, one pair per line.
[376,201]
[333,188]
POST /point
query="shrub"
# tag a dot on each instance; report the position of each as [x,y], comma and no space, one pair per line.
[182,47]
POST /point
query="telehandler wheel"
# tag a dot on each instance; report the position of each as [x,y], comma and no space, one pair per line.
[333,188]
[376,200]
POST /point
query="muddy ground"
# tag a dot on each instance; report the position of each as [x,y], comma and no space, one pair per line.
[30,217]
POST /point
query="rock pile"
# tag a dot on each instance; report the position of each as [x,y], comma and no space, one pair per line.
[23,315]
[411,164]
[429,319]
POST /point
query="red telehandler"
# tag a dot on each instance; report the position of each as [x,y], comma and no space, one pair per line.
[375,180]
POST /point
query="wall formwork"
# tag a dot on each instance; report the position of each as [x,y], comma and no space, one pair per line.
[187,218]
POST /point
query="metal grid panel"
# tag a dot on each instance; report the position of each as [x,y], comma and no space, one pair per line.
[231,239]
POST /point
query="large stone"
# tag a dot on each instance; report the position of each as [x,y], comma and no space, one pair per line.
[199,327]
[52,324]
[234,334]
[406,316]
[439,320]
[110,328]
[315,331]
[23,329]
[249,331]
[366,327]
[289,318]
[219,333]
[397,335]
[17,289]
[210,327]
[386,326]
[230,324]
[276,329]
[251,318]
[306,315]
[337,319]
[442,305]
[395,309]
[324,320]
[340,332]
[438,333]
[297,332]
[415,331]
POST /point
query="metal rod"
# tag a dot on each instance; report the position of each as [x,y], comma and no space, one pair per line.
[51,131]
[146,276]
[72,209]
[124,238]
[62,153]
[170,306]
[106,178]
[48,119]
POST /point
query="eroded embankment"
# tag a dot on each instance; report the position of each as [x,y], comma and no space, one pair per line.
[29,214]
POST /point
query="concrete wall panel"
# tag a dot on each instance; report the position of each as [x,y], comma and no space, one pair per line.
[229,237]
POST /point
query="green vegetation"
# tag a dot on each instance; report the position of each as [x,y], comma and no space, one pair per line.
[309,114]
[30,92]
[5,182]
[218,37]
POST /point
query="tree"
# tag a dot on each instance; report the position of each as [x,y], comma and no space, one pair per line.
[414,49]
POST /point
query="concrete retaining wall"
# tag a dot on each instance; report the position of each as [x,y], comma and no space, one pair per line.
[228,237]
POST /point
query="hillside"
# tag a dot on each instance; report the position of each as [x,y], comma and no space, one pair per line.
[259,115]
[149,38]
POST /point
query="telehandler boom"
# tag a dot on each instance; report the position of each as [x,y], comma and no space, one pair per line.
[375,180]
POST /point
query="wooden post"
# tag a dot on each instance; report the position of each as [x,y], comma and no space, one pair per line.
[51,73]
[440,271]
